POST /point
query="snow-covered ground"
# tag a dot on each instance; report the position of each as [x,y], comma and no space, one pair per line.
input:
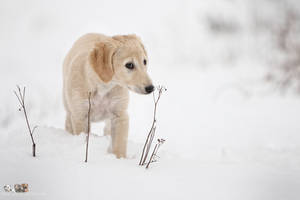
[60,173]
[229,135]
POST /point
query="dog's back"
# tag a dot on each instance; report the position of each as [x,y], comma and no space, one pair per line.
[81,48]
[74,65]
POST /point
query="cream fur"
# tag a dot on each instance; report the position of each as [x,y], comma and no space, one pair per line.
[96,64]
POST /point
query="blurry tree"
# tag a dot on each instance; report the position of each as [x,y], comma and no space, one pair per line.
[219,25]
[266,31]
[285,70]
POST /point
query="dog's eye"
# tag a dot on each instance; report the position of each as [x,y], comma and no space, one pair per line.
[145,62]
[129,65]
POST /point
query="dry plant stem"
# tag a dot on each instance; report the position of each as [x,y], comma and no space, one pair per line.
[88,133]
[152,130]
[149,145]
[21,98]
[154,153]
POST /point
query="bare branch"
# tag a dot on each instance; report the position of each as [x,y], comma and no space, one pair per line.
[149,145]
[155,150]
[23,94]
[151,134]
[34,129]
[21,99]
[88,132]
[18,98]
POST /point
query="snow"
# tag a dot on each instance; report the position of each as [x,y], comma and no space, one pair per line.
[59,172]
[229,134]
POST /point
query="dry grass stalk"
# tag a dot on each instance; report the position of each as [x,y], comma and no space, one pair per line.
[21,98]
[154,153]
[151,133]
[88,132]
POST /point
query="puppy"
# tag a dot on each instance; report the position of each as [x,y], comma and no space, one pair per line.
[107,67]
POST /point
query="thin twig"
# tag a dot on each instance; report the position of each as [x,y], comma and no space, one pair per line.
[151,133]
[21,98]
[154,153]
[34,129]
[88,132]
[149,145]
[18,98]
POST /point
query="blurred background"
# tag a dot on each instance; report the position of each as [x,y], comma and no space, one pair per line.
[232,69]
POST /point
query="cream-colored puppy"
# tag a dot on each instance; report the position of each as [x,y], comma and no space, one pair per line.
[107,67]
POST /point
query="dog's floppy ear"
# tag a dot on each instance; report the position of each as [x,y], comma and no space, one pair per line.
[100,59]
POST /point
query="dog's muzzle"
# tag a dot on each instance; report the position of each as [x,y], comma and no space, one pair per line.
[149,89]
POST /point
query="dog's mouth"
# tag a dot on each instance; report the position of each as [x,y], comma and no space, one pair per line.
[139,90]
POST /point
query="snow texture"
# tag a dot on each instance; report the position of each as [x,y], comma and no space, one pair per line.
[229,135]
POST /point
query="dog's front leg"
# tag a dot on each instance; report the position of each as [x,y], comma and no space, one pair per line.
[79,122]
[119,134]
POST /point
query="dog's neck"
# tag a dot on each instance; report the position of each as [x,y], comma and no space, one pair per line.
[103,89]
[96,85]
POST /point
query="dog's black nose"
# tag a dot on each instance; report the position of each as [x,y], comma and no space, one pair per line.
[149,89]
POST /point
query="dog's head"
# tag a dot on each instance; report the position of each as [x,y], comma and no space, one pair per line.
[122,60]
